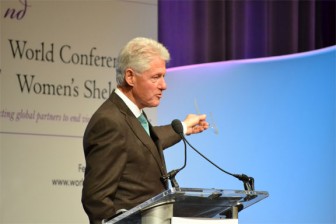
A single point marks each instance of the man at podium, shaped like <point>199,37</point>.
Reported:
<point>123,151</point>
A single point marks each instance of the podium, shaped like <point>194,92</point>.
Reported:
<point>194,203</point>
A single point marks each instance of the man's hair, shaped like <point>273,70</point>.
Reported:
<point>137,55</point>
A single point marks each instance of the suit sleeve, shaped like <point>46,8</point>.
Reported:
<point>106,156</point>
<point>167,135</point>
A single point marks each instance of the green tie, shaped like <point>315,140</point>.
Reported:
<point>144,122</point>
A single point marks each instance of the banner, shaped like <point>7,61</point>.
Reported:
<point>57,67</point>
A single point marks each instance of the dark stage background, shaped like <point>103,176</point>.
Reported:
<point>209,31</point>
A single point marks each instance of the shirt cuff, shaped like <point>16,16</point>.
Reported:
<point>185,128</point>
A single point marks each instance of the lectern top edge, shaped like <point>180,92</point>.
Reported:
<point>194,202</point>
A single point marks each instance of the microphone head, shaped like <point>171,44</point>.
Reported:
<point>177,126</point>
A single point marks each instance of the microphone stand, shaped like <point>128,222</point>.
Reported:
<point>247,181</point>
<point>178,128</point>
<point>171,175</point>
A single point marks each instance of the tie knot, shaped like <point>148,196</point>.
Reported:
<point>142,118</point>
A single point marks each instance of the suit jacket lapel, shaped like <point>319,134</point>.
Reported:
<point>153,145</point>
<point>158,144</point>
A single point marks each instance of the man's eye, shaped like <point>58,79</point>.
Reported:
<point>155,78</point>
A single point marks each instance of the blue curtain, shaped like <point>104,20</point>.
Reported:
<point>201,31</point>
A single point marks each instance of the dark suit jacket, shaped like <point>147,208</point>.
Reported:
<point>123,163</point>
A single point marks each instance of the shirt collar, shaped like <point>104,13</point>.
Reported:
<point>134,108</point>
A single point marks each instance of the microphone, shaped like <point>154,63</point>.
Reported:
<point>247,181</point>
<point>178,128</point>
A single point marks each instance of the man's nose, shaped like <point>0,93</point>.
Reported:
<point>163,84</point>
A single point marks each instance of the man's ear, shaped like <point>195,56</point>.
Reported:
<point>129,77</point>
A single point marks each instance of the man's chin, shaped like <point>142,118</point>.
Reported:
<point>154,104</point>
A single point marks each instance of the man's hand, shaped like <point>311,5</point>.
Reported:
<point>195,123</point>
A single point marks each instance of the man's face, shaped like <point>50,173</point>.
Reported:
<point>149,85</point>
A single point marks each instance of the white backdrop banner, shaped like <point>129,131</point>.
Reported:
<point>57,67</point>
